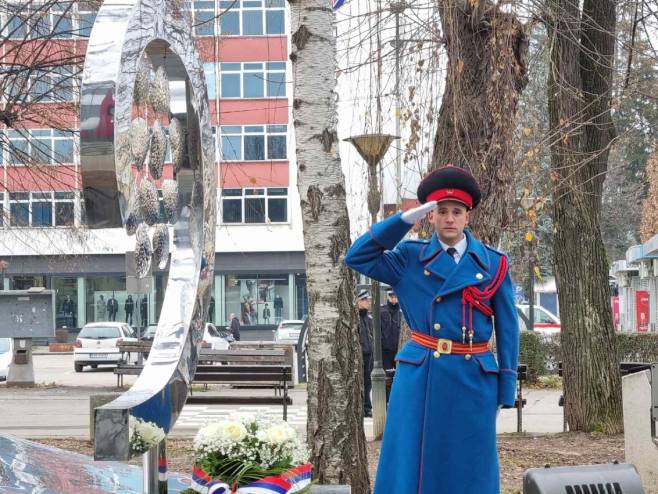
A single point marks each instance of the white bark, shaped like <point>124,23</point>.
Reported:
<point>335,421</point>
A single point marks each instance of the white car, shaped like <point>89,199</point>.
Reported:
<point>545,322</point>
<point>288,331</point>
<point>215,339</point>
<point>97,344</point>
<point>5,357</point>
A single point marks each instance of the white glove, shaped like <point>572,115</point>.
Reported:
<point>415,214</point>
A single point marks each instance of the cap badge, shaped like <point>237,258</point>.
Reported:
<point>450,192</point>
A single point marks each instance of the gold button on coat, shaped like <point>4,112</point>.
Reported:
<point>437,354</point>
<point>467,356</point>
<point>438,299</point>
<point>437,326</point>
<point>479,276</point>
<point>426,272</point>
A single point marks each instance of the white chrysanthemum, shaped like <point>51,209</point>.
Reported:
<point>161,245</point>
<point>139,141</point>
<point>177,143</point>
<point>170,199</point>
<point>143,251</point>
<point>157,151</point>
<point>151,434</point>
<point>148,201</point>
<point>143,80</point>
<point>159,91</point>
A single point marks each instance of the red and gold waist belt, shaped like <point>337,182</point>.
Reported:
<point>443,346</point>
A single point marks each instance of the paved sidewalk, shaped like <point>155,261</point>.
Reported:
<point>64,412</point>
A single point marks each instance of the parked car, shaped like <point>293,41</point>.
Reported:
<point>545,322</point>
<point>288,331</point>
<point>5,357</point>
<point>97,344</point>
<point>216,339</point>
<point>149,332</point>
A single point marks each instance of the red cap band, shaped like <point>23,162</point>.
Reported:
<point>451,195</point>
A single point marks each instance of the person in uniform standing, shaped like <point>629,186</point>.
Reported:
<point>390,323</point>
<point>440,434</point>
<point>112,308</point>
<point>365,333</point>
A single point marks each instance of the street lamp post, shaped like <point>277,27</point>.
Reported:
<point>372,148</point>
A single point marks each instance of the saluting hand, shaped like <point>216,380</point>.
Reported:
<point>415,214</point>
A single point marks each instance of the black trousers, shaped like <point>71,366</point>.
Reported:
<point>367,382</point>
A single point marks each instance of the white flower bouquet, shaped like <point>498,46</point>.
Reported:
<point>143,435</point>
<point>250,455</point>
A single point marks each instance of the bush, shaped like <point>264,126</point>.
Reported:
<point>542,353</point>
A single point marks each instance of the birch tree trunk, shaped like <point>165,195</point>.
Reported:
<point>486,74</point>
<point>579,94</point>
<point>335,410</point>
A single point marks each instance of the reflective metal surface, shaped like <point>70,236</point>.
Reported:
<point>125,33</point>
<point>28,467</point>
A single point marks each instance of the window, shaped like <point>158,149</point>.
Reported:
<point>251,17</point>
<point>49,84</point>
<point>204,18</point>
<point>253,80</point>
<point>253,142</point>
<point>209,71</point>
<point>257,298</point>
<point>87,16</point>
<point>38,21</point>
<point>255,206</point>
<point>44,146</point>
<point>41,209</point>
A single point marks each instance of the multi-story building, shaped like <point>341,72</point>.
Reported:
<point>259,248</point>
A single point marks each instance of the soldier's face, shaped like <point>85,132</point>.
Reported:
<point>449,219</point>
<point>364,303</point>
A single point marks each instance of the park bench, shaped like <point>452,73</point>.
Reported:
<point>260,365</point>
<point>625,368</point>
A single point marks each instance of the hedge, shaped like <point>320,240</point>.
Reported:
<point>542,353</point>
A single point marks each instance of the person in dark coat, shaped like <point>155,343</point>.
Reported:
<point>391,316</point>
<point>112,308</point>
<point>234,328</point>
<point>365,332</point>
<point>129,307</point>
<point>143,310</point>
<point>455,292</point>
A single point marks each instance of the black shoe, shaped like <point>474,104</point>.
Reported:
<point>367,414</point>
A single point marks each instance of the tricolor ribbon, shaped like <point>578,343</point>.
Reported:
<point>162,470</point>
<point>289,482</point>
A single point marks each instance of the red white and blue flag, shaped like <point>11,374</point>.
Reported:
<point>290,482</point>
<point>338,4</point>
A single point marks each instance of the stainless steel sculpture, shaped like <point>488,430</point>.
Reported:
<point>150,42</point>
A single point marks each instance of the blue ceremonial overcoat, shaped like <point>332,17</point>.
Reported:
<point>440,435</point>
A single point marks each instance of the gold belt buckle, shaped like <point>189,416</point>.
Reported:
<point>443,347</point>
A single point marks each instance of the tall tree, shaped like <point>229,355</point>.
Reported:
<point>486,74</point>
<point>335,412</point>
<point>579,97</point>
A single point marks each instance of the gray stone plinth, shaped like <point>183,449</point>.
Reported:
<point>640,449</point>
<point>97,401</point>
<point>331,489</point>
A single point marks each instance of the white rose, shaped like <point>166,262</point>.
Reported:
<point>280,433</point>
<point>210,432</point>
<point>234,431</point>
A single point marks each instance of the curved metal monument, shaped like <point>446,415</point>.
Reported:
<point>142,78</point>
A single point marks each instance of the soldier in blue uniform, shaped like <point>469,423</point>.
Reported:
<point>454,291</point>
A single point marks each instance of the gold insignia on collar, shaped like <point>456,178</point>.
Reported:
<point>479,276</point>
